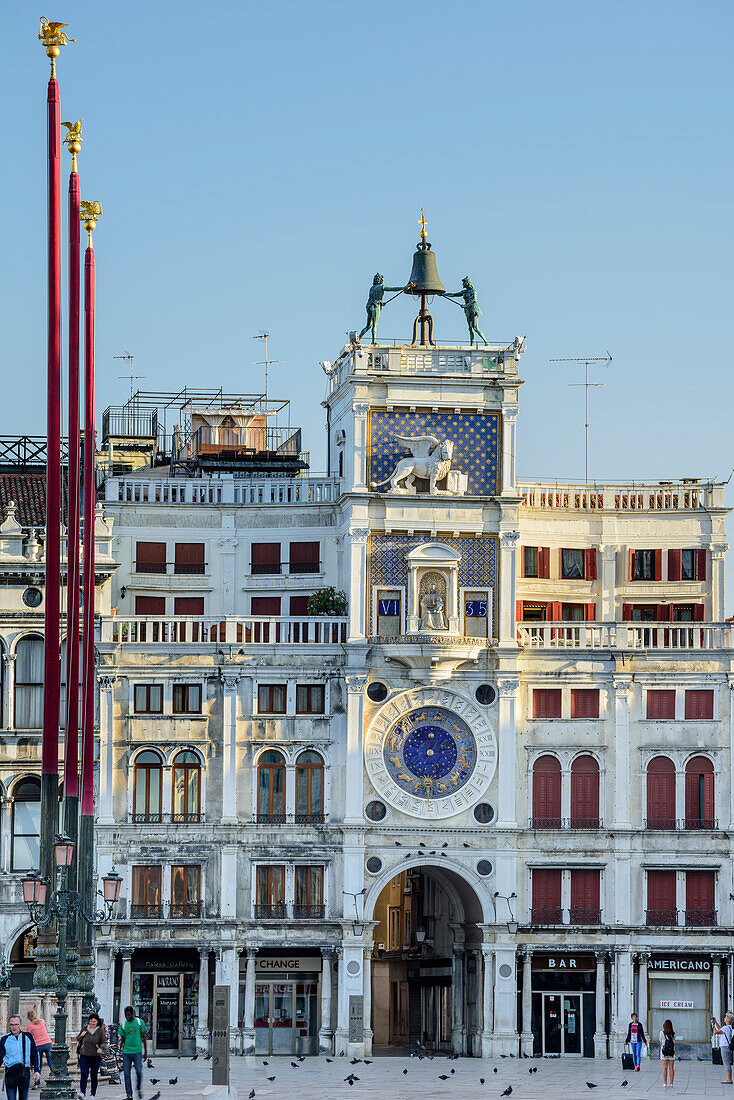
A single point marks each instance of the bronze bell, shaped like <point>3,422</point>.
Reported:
<point>424,275</point>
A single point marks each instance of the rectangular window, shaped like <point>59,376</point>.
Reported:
<point>646,565</point>
<point>271,698</point>
<point>585,897</point>
<point>26,825</point>
<point>660,705</point>
<point>688,565</point>
<point>681,613</point>
<point>309,898</point>
<point>185,891</point>
<point>189,557</point>
<point>149,698</point>
<point>270,892</point>
<point>661,901</point>
<point>150,605</point>
<point>572,564</point>
<point>546,896</point>
<point>530,561</point>
<point>310,698</point>
<point>150,557</point>
<point>533,612</point>
<point>700,898</point>
<point>476,615</point>
<point>573,612</point>
<point>584,702</point>
<point>146,892</point>
<point>700,703</point>
<point>393,923</point>
<point>547,703</point>
<point>298,605</point>
<point>187,698</point>
<point>388,612</point>
<point>265,557</point>
<point>188,605</point>
<point>266,606</point>
<point>304,557</point>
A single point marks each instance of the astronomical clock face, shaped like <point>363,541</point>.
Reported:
<point>430,753</point>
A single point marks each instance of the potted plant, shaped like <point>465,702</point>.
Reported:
<point>328,601</point>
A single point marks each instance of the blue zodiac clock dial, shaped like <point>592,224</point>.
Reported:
<point>430,752</point>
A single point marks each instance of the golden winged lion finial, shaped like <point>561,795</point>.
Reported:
<point>89,212</point>
<point>73,139</point>
<point>53,37</point>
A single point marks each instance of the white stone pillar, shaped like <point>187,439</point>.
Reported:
<point>526,1037</point>
<point>458,1027</point>
<point>730,681</point>
<point>105,973</point>
<point>367,1003</point>
<point>359,456</point>
<point>202,1023</point>
<point>356,583</point>
<point>622,779</point>
<point>354,770</point>
<point>717,610</point>
<point>231,977</point>
<point>507,585</point>
<point>228,885</point>
<point>248,1029</point>
<point>106,751</point>
<point>126,982</point>
<point>642,1006</point>
<point>506,810</point>
<point>230,684</point>
<point>608,611</point>
<point>621,998</point>
<point>350,984</point>
<point>326,1031</point>
<point>487,999</point>
<point>509,448</point>
<point>505,1039</point>
<point>227,556</point>
<point>6,810</point>
<point>600,1037</point>
<point>9,660</point>
<point>716,988</point>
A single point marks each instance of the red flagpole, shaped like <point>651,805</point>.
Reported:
<point>87,800</point>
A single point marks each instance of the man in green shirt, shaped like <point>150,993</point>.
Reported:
<point>134,1041</point>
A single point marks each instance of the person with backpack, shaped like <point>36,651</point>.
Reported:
<point>635,1039</point>
<point>667,1052</point>
<point>18,1052</point>
<point>134,1043</point>
<point>725,1034</point>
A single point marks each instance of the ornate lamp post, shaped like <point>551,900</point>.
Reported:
<point>57,909</point>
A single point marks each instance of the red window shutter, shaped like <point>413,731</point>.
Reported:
<point>698,611</point>
<point>304,553</point>
<point>658,565</point>
<point>661,792</point>
<point>547,789</point>
<point>560,563</point>
<point>662,613</point>
<point>699,704</point>
<point>590,563</point>
<point>661,704</point>
<point>265,605</point>
<point>544,562</point>
<point>632,565</point>
<point>585,891</point>
<point>693,801</point>
<point>626,612</point>
<point>700,565</point>
<point>521,570</point>
<point>584,791</point>
<point>189,557</point>
<point>546,889</point>
<point>150,557</point>
<point>661,891</point>
<point>590,612</point>
<point>266,553</point>
<point>547,703</point>
<point>150,605</point>
<point>188,605</point>
<point>299,605</point>
<point>555,612</point>
<point>584,702</point>
<point>700,891</point>
<point>518,611</point>
<point>675,565</point>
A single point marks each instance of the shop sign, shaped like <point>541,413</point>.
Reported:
<point>681,964</point>
<point>677,1004</point>
<point>563,963</point>
<point>279,964</point>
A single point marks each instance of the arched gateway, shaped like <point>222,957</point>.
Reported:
<point>427,965</point>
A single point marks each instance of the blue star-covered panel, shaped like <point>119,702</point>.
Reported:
<point>388,566</point>
<point>475,437</point>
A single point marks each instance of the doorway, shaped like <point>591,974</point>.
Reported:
<point>286,1017</point>
<point>562,1023</point>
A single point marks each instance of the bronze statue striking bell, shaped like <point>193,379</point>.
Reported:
<point>424,276</point>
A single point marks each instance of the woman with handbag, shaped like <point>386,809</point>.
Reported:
<point>724,1034</point>
<point>635,1039</point>
<point>667,1052</point>
<point>89,1045</point>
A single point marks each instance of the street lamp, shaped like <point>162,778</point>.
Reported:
<point>512,924</point>
<point>420,934</point>
<point>57,909</point>
<point>357,923</point>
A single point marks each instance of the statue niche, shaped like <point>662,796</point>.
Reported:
<point>432,600</point>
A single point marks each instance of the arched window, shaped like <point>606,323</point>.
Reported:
<point>546,793</point>
<point>26,824</point>
<point>147,787</point>
<point>271,788</point>
<point>584,793</point>
<point>309,788</point>
<point>700,794</point>
<point>187,787</point>
<point>661,793</point>
<point>29,683</point>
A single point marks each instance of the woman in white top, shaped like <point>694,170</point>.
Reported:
<point>725,1033</point>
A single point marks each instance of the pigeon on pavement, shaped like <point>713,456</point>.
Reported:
<point>150,1064</point>
<point>251,1095</point>
<point>271,1078</point>
<point>590,1085</point>
<point>329,1059</point>
<point>624,1083</point>
<point>173,1080</point>
<point>154,1080</point>
<point>405,1072</point>
<point>443,1076</point>
<point>507,1091</point>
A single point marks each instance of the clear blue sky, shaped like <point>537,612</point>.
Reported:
<point>258,163</point>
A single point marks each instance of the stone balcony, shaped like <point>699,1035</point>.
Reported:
<point>225,490</point>
<point>664,496</point>
<point>233,629</point>
<point>626,636</point>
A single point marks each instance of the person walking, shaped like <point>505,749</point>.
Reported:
<point>134,1041</point>
<point>635,1038</point>
<point>36,1027</point>
<point>89,1044</point>
<point>18,1052</point>
<point>667,1052</point>
<point>725,1032</point>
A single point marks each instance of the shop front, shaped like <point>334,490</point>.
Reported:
<point>287,997</point>
<point>680,990</point>
<point>563,1004</point>
<point>165,994</point>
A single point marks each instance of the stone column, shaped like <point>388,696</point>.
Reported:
<point>505,1038</point>
<point>608,612</point>
<point>458,1027</point>
<point>600,1036</point>
<point>507,765</point>
<point>509,448</point>
<point>356,574</point>
<point>360,448</point>
<point>621,962</point>
<point>716,988</point>
<point>230,683</point>
<point>106,751</point>
<point>6,810</point>
<point>227,555</point>
<point>354,769</point>
<point>105,967</point>
<point>526,1037</point>
<point>326,1031</point>
<point>642,1007</point>
<point>248,1030</point>
<point>231,977</point>
<point>367,1003</point>
<point>507,563</point>
<point>718,613</point>
<point>9,660</point>
<point>730,681</point>
<point>126,982</point>
<point>487,999</point>
<point>474,1031</point>
<point>202,1023</point>
<point>622,778</point>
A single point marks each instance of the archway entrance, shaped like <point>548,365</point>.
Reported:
<point>427,963</point>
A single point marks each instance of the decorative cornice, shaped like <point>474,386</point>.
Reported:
<point>106,682</point>
<point>507,688</point>
<point>356,684</point>
<point>359,535</point>
<point>509,538</point>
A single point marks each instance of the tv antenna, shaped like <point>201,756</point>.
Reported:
<point>265,363</point>
<point>133,377</point>
<point>587,386</point>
